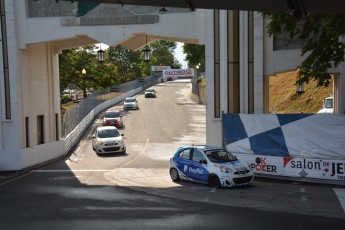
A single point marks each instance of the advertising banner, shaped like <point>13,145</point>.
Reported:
<point>159,68</point>
<point>296,167</point>
<point>178,73</point>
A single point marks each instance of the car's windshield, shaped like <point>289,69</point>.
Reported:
<point>219,155</point>
<point>130,100</point>
<point>112,114</point>
<point>150,90</point>
<point>107,133</point>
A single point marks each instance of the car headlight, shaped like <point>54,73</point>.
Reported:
<point>225,169</point>
<point>100,142</point>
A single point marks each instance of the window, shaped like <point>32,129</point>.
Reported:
<point>113,114</point>
<point>185,154</point>
<point>40,129</point>
<point>57,135</point>
<point>27,133</point>
<point>197,156</point>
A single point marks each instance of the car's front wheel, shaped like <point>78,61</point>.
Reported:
<point>174,174</point>
<point>214,181</point>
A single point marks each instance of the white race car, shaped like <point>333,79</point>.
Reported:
<point>210,165</point>
<point>107,139</point>
<point>130,103</point>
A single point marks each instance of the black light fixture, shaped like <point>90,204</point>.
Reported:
<point>299,87</point>
<point>163,10</point>
<point>190,5</point>
<point>147,52</point>
<point>100,55</point>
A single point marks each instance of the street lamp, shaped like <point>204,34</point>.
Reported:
<point>100,55</point>
<point>147,52</point>
<point>197,67</point>
<point>299,87</point>
<point>83,72</point>
<point>198,80</point>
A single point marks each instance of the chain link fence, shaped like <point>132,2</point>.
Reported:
<point>74,116</point>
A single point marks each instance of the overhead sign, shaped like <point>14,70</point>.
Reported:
<point>179,73</point>
<point>159,68</point>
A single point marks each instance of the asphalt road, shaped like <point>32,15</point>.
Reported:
<point>134,190</point>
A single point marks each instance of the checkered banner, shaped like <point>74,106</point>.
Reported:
<point>317,136</point>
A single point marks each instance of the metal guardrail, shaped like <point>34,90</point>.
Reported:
<point>75,115</point>
<point>198,90</point>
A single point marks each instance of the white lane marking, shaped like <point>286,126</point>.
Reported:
<point>131,208</point>
<point>303,198</point>
<point>341,196</point>
<point>74,170</point>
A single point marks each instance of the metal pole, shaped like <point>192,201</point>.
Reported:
<point>85,94</point>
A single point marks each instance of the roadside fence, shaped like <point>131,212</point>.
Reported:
<point>75,115</point>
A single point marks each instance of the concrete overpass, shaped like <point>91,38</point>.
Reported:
<point>239,56</point>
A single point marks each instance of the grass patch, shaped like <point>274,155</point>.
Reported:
<point>283,98</point>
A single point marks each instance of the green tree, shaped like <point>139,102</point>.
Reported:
<point>73,61</point>
<point>126,61</point>
<point>162,54</point>
<point>71,64</point>
<point>195,54</point>
<point>321,35</point>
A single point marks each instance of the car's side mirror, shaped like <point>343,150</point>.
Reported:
<point>122,134</point>
<point>203,161</point>
<point>94,136</point>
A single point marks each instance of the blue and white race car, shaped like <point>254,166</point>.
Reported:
<point>210,165</point>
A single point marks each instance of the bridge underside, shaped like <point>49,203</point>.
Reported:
<point>294,6</point>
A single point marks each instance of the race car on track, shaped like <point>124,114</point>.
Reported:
<point>113,118</point>
<point>210,165</point>
<point>150,93</point>
<point>107,139</point>
<point>130,103</point>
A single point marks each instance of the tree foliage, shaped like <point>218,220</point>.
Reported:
<point>121,65</point>
<point>126,61</point>
<point>98,76</point>
<point>161,55</point>
<point>322,38</point>
<point>195,54</point>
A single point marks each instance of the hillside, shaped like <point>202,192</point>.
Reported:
<point>284,99</point>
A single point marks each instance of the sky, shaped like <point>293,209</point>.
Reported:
<point>179,55</point>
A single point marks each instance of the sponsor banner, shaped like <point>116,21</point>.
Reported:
<point>307,136</point>
<point>179,73</point>
<point>296,167</point>
<point>159,68</point>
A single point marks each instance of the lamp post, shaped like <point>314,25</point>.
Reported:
<point>83,72</point>
<point>147,52</point>
<point>100,55</point>
<point>197,67</point>
<point>299,87</point>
